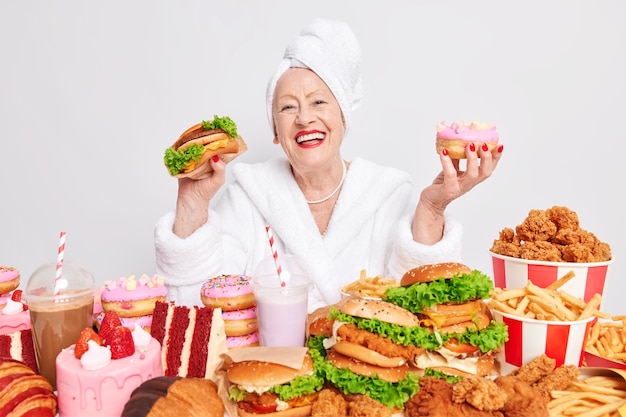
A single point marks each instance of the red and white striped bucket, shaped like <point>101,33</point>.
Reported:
<point>528,338</point>
<point>589,279</point>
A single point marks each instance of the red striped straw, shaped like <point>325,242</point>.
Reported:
<point>57,288</point>
<point>279,269</point>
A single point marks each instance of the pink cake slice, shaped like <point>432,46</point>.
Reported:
<point>103,392</point>
<point>10,323</point>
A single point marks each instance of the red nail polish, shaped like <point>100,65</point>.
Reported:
<point>215,158</point>
<point>472,147</point>
<point>485,147</point>
<point>444,152</point>
<point>500,148</point>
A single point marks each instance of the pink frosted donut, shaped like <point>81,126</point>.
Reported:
<point>9,279</point>
<point>228,292</point>
<point>130,297</point>
<point>240,322</point>
<point>248,340</point>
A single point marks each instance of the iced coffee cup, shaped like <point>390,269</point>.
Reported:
<point>59,311</point>
<point>281,310</point>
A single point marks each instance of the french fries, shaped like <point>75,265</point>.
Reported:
<point>608,339</point>
<point>373,287</point>
<point>550,303</point>
<point>596,396</point>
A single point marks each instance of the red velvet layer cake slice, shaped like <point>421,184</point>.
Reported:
<point>19,346</point>
<point>192,339</point>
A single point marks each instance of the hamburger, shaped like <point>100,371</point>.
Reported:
<point>448,300</point>
<point>369,349</point>
<point>189,156</point>
<point>268,389</point>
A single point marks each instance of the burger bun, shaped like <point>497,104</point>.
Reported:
<point>433,272</point>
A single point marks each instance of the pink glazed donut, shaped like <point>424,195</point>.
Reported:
<point>228,292</point>
<point>248,340</point>
<point>9,279</point>
<point>240,322</point>
<point>130,297</point>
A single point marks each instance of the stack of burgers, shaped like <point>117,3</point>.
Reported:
<point>435,322</point>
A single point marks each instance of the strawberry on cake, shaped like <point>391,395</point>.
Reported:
<point>97,374</point>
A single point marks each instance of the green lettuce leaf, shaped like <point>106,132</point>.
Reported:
<point>225,123</point>
<point>461,289</point>
<point>392,395</point>
<point>176,161</point>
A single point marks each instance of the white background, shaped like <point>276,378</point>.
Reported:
<point>91,94</point>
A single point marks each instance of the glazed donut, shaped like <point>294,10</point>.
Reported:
<point>247,340</point>
<point>9,279</point>
<point>130,297</point>
<point>228,292</point>
<point>240,322</point>
<point>456,136</point>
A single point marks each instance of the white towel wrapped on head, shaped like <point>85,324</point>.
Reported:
<point>330,49</point>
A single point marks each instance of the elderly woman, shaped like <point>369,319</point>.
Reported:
<point>337,217</point>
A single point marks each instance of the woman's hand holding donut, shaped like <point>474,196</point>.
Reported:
<point>450,184</point>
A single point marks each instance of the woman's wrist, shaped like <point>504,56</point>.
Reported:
<point>189,217</point>
<point>428,223</point>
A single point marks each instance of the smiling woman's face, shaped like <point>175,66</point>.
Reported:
<point>308,120</point>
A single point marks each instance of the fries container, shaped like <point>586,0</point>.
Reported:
<point>596,361</point>
<point>589,278</point>
<point>528,338</point>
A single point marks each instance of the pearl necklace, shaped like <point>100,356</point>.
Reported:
<point>343,177</point>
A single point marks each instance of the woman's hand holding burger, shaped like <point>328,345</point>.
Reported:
<point>198,159</point>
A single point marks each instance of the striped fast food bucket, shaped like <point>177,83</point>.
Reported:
<point>589,278</point>
<point>564,341</point>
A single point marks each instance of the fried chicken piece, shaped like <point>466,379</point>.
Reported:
<point>559,379</point>
<point>536,227</point>
<point>506,244</point>
<point>540,251</point>
<point>329,404</point>
<point>364,406</point>
<point>482,393</point>
<point>434,399</point>
<point>351,333</point>
<point>536,369</point>
<point>522,400</point>
<point>563,217</point>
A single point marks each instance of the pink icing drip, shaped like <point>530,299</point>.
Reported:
<point>116,290</point>
<point>246,313</point>
<point>475,131</point>
<point>7,273</point>
<point>226,286</point>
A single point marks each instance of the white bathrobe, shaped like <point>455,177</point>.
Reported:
<point>370,229</point>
